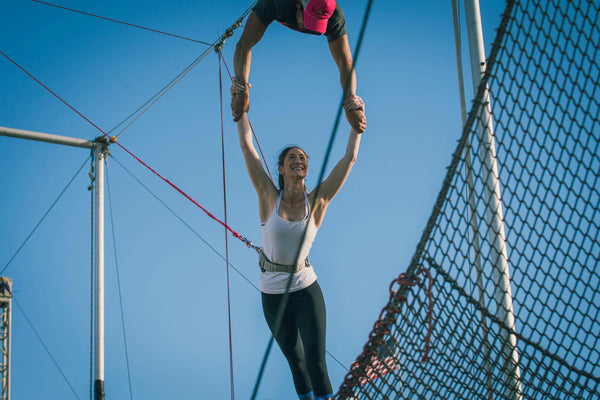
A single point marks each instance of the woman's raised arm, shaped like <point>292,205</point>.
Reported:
<point>336,179</point>
<point>265,189</point>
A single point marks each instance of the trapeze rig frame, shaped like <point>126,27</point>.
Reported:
<point>5,335</point>
<point>99,148</point>
<point>228,33</point>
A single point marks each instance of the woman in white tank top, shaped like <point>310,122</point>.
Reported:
<point>290,218</point>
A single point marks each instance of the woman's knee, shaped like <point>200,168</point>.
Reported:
<point>317,367</point>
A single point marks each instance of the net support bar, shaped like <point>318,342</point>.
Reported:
<point>45,137</point>
<point>472,205</point>
<point>501,275</point>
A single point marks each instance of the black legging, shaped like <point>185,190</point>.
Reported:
<point>301,337</point>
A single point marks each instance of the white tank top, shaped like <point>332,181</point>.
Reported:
<point>281,239</point>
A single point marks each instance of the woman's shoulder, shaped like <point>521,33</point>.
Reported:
<point>316,197</point>
<point>267,203</point>
<point>318,206</point>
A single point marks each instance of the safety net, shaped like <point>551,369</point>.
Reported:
<point>501,299</point>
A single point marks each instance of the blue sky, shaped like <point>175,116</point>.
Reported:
<point>173,285</point>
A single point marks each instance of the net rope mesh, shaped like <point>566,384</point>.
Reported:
<point>508,309</point>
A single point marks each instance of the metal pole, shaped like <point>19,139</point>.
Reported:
<point>473,207</point>
<point>501,276</point>
<point>45,137</point>
<point>5,335</point>
<point>100,149</point>
<point>99,154</point>
<point>8,343</point>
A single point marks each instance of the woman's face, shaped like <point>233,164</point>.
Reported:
<point>295,164</point>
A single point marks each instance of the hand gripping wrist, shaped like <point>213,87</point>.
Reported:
<point>353,102</point>
<point>237,87</point>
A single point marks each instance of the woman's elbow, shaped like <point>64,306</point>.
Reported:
<point>352,159</point>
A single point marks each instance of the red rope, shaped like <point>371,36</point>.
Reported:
<point>121,22</point>
<point>49,90</point>
<point>234,233</point>
<point>367,365</point>
<point>113,140</point>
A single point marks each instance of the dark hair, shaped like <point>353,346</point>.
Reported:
<point>282,158</point>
